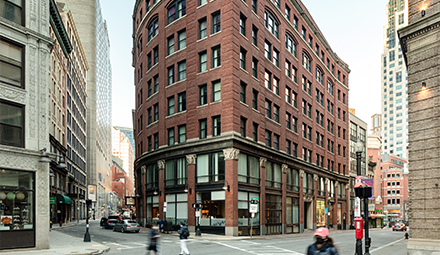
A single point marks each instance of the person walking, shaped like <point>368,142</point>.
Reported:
<point>153,236</point>
<point>183,234</point>
<point>323,244</point>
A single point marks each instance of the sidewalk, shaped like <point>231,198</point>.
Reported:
<point>61,244</point>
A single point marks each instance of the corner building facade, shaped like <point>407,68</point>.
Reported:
<point>237,101</point>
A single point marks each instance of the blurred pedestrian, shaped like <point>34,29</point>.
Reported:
<point>153,236</point>
<point>183,234</point>
<point>323,244</point>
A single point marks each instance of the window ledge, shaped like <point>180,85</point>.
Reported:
<point>216,33</point>
<point>174,21</point>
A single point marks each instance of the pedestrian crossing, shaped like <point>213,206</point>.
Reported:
<point>257,248</point>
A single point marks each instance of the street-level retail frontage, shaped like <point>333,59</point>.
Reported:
<point>293,194</point>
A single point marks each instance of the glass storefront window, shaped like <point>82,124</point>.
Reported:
<point>16,200</point>
<point>213,212</point>
<point>320,213</point>
<point>244,216</point>
<point>177,208</point>
<point>292,215</point>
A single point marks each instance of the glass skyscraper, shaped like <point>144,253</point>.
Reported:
<point>394,103</point>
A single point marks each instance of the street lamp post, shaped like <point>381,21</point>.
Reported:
<point>358,148</point>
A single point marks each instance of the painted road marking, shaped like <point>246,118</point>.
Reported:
<point>387,245</point>
<point>271,250</point>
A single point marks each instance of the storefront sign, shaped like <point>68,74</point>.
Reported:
<point>92,193</point>
<point>130,201</point>
<point>52,200</point>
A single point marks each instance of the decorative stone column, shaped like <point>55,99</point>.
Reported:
<point>191,160</point>
<point>161,188</point>
<point>315,194</point>
<point>301,202</point>
<point>231,195</point>
<point>284,168</point>
<point>327,202</point>
<point>335,207</point>
<point>263,196</point>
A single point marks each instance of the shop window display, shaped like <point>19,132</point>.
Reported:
<point>16,200</point>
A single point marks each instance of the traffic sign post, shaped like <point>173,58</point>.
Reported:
<point>253,209</point>
<point>198,207</point>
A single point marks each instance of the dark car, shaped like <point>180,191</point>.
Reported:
<point>110,223</point>
<point>398,226</point>
<point>127,226</point>
<point>103,221</point>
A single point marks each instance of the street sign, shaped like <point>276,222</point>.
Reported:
<point>52,200</point>
<point>255,198</point>
<point>357,207</point>
<point>253,208</point>
<point>197,213</point>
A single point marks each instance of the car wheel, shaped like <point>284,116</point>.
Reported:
<point>122,230</point>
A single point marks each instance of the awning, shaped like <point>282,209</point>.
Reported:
<point>64,199</point>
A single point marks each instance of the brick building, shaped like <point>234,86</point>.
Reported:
<point>243,95</point>
<point>122,184</point>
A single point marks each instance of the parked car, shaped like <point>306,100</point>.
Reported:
<point>398,226</point>
<point>103,221</point>
<point>127,226</point>
<point>110,223</point>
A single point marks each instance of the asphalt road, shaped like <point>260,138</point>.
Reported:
<point>384,242</point>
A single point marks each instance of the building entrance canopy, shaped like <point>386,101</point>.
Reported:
<point>64,199</point>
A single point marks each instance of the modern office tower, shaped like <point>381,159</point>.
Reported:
<point>75,68</point>
<point>128,132</point>
<point>92,30</point>
<point>420,46</point>
<point>239,101</point>
<point>394,100</point>
<point>376,124</point>
<point>358,130</point>
<point>25,47</point>
<point>121,148</point>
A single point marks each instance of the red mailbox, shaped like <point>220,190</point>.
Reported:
<point>359,226</point>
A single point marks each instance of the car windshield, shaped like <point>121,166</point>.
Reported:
<point>131,221</point>
<point>113,217</point>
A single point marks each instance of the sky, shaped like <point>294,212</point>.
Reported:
<point>353,29</point>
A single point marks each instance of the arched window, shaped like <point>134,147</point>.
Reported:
<point>153,28</point>
<point>290,44</point>
<point>306,62</point>
<point>271,23</point>
<point>176,10</point>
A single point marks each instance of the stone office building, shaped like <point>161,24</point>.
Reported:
<point>237,101</point>
<point>420,46</point>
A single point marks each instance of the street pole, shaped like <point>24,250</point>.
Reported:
<point>77,205</point>
<point>367,237</point>
<point>87,234</point>
<point>357,212</point>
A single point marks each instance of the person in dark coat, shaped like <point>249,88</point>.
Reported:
<point>323,244</point>
<point>183,234</point>
<point>153,236</point>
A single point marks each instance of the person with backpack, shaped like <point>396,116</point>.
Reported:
<point>323,244</point>
<point>183,234</point>
<point>153,236</point>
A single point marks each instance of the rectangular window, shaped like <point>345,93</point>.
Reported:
<point>156,141</point>
<point>216,126</point>
<point>203,128</point>
<point>288,121</point>
<point>255,67</point>
<point>11,55</point>
<point>156,112</point>
<point>242,92</point>
<point>181,102</point>
<point>254,6</point>
<point>267,50</point>
<point>155,83</point>
<point>275,57</point>
<point>156,55</point>
<point>276,113</point>
<point>182,40</point>
<point>170,75</point>
<point>254,35</point>
<point>215,22</point>
<point>171,136</point>
<point>149,116</point>
<point>203,28</point>
<point>255,99</point>
<point>268,136</point>
<point>276,141</point>
<point>202,2</point>
<point>12,10</point>
<point>149,61</point>
<point>276,85</point>
<point>294,124</point>
<point>203,61</point>
<point>255,132</point>
<point>182,134</point>
<point>242,24</point>
<point>243,58</point>
<point>171,105</point>
<point>287,12</point>
<point>216,57</point>
<point>216,91</point>
<point>11,124</point>
<point>268,105</point>
<point>182,70</point>
<point>243,126</point>
<point>170,45</point>
<point>203,94</point>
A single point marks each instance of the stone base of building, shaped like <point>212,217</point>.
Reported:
<point>423,247</point>
<point>231,231</point>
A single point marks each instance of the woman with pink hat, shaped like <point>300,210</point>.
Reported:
<point>323,244</point>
